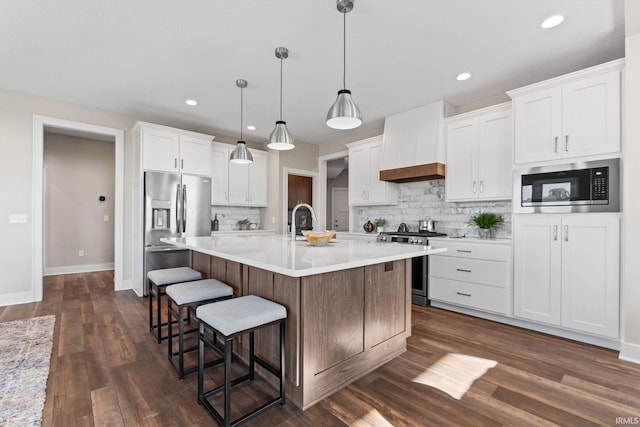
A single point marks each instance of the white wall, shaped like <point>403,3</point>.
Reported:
<point>16,138</point>
<point>77,172</point>
<point>630,292</point>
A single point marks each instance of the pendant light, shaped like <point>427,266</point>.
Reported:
<point>280,138</point>
<point>344,113</point>
<point>241,155</point>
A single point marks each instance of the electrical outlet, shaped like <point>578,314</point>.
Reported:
<point>273,220</point>
<point>81,252</point>
<point>106,218</point>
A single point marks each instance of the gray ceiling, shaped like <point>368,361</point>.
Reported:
<point>144,58</point>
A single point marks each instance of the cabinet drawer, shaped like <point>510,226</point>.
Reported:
<point>495,252</point>
<point>492,273</point>
<point>473,295</point>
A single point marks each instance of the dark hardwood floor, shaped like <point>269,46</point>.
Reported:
<point>107,370</point>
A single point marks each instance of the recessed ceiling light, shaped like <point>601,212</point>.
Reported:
<point>251,127</point>
<point>191,102</point>
<point>463,76</point>
<point>552,21</point>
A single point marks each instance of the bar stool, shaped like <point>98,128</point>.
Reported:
<point>190,295</point>
<point>158,281</point>
<point>228,319</point>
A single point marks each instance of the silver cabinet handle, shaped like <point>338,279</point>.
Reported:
<point>463,250</point>
<point>556,144</point>
<point>181,163</point>
<point>555,232</point>
<point>474,187</point>
<point>566,233</point>
<point>463,270</point>
<point>175,162</point>
<point>566,142</point>
<point>481,186</point>
<point>463,294</point>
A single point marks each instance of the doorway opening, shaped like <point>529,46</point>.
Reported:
<point>42,124</point>
<point>299,186</point>
<point>333,173</point>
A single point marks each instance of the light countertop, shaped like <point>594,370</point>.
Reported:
<point>472,239</point>
<point>277,253</point>
<point>241,232</point>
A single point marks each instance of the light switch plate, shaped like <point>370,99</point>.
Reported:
<point>17,218</point>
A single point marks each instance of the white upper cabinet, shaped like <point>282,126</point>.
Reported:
<point>479,147</point>
<point>365,187</point>
<point>415,137</point>
<point>172,150</point>
<point>248,183</point>
<point>570,116</point>
<point>220,173</point>
<point>567,271</point>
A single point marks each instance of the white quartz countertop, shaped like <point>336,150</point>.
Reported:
<point>279,254</point>
<point>472,239</point>
<point>241,232</point>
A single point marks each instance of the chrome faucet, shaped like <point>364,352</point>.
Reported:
<point>293,218</point>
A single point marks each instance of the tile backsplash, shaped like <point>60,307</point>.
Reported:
<point>418,200</point>
<point>228,216</point>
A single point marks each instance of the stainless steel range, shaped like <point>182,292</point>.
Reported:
<point>419,265</point>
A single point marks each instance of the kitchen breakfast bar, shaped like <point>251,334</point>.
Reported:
<point>348,303</point>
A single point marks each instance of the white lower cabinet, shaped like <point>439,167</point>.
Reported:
<point>472,274</point>
<point>567,270</point>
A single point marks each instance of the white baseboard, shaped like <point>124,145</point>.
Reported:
<point>630,352</point>
<point>71,269</point>
<point>611,343</point>
<point>126,284</point>
<point>16,298</point>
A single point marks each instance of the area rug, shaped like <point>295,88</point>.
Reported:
<point>25,354</point>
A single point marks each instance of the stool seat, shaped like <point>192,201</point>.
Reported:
<point>168,276</point>
<point>239,314</point>
<point>198,290</point>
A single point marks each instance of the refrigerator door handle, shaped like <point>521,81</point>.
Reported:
<point>178,218</point>
<point>184,208</point>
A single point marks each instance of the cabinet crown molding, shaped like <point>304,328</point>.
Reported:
<point>615,65</point>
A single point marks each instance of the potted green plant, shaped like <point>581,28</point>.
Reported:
<point>242,224</point>
<point>379,223</point>
<point>486,221</point>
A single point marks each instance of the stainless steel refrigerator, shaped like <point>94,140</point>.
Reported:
<point>174,206</point>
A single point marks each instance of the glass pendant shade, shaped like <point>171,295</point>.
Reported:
<point>344,113</point>
<point>241,155</point>
<point>280,138</point>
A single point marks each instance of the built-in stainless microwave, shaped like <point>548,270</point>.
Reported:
<point>578,187</point>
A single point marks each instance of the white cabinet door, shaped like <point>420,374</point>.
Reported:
<point>590,273</point>
<point>537,267</point>
<point>358,175</point>
<point>195,156</point>
<point>220,174</point>
<point>238,184</point>
<point>537,126</point>
<point>160,150</point>
<point>365,187</point>
<point>462,164</point>
<point>258,179</point>
<point>377,190</point>
<point>494,155</point>
<point>479,155</point>
<point>591,116</point>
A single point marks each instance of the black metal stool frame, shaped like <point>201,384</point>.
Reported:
<point>158,291</point>
<point>227,355</point>
<point>178,314</point>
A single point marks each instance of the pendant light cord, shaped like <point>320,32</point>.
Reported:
<point>280,88</point>
<point>344,50</point>
<point>241,110</point>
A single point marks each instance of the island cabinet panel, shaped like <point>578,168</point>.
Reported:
<point>201,262</point>
<point>385,302</point>
<point>284,290</point>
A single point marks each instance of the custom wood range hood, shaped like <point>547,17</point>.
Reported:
<point>414,146</point>
<point>424,172</point>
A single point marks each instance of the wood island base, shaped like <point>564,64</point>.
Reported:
<point>340,325</point>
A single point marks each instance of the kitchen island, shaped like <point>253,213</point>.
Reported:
<point>348,303</point>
